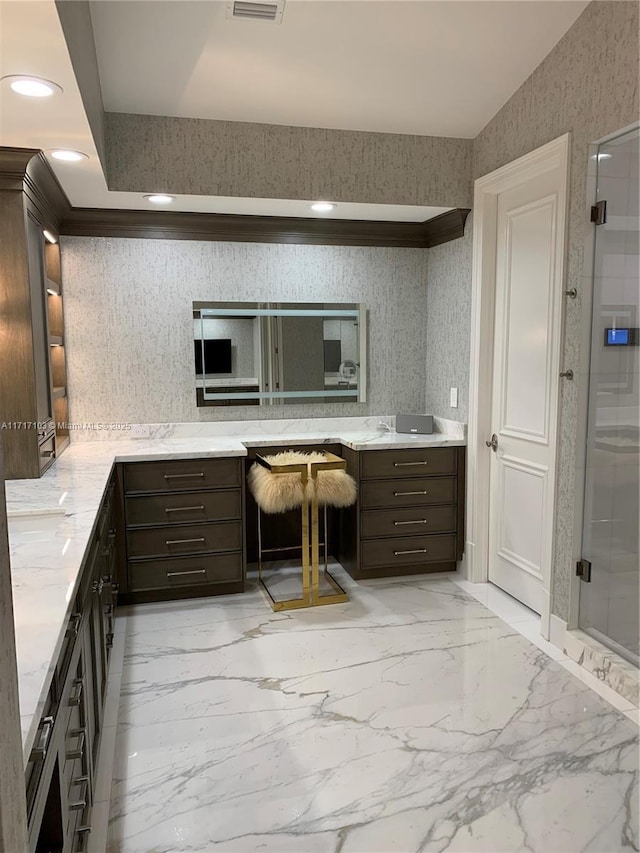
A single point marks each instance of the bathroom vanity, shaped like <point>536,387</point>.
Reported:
<point>409,516</point>
<point>167,519</point>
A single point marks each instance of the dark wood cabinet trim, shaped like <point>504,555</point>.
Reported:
<point>167,225</point>
<point>448,226</point>
<point>27,170</point>
<point>461,505</point>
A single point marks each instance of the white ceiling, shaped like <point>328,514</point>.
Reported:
<point>430,67</point>
<point>181,74</point>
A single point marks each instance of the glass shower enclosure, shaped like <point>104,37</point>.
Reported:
<point>610,602</point>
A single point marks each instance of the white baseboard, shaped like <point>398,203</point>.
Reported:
<point>557,631</point>
<point>470,564</point>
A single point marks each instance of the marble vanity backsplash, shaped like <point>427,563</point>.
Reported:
<point>284,426</point>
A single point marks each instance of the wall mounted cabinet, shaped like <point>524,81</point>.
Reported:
<point>33,402</point>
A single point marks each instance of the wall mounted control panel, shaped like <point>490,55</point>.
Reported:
<point>626,337</point>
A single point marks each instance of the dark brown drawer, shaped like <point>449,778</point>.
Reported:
<point>183,506</point>
<point>186,539</point>
<point>181,475</point>
<point>407,550</point>
<point>378,464</point>
<point>185,571</point>
<point>415,521</point>
<point>417,492</point>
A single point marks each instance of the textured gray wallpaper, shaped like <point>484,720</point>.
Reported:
<point>129,328</point>
<point>587,85</point>
<point>225,158</point>
<point>448,326</point>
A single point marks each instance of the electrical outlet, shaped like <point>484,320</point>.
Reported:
<point>139,431</point>
<point>453,398</point>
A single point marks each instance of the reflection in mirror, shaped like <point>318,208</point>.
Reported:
<point>267,353</point>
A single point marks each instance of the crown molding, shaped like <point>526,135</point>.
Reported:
<point>167,225</point>
<point>27,170</point>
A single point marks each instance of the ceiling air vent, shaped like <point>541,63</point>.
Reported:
<point>271,12</point>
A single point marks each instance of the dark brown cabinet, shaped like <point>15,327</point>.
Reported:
<point>409,516</point>
<point>184,523</point>
<point>33,401</point>
<point>60,775</point>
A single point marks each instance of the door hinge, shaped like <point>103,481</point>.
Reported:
<point>583,570</point>
<point>599,213</point>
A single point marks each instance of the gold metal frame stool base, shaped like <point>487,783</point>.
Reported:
<point>311,596</point>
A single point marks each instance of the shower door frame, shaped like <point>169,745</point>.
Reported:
<point>557,630</point>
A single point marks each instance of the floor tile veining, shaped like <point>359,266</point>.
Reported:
<point>409,719</point>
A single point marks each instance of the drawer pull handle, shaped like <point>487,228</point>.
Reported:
<point>81,831</point>
<point>75,698</point>
<point>193,572</point>
<point>406,494</point>
<point>39,752</point>
<point>185,508</point>
<point>183,541</point>
<point>74,625</point>
<point>412,551</point>
<point>182,476</point>
<point>81,734</point>
<point>409,464</point>
<point>80,804</point>
<point>401,523</point>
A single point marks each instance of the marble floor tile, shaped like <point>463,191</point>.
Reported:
<point>608,693</point>
<point>508,608</point>
<point>499,602</point>
<point>531,630</point>
<point>408,719</point>
<point>479,591</point>
<point>634,715</point>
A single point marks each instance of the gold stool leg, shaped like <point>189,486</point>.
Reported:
<point>259,545</point>
<point>306,595</point>
<point>338,595</point>
<point>315,541</point>
<point>326,538</point>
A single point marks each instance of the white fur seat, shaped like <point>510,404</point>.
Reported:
<point>276,493</point>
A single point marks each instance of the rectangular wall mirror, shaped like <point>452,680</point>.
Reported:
<point>268,353</point>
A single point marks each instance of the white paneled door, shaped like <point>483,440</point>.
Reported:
<point>526,352</point>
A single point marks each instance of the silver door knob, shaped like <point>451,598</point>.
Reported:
<point>493,444</point>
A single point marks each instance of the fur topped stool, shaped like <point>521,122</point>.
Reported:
<point>293,479</point>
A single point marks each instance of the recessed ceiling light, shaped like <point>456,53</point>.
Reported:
<point>32,87</point>
<point>160,198</point>
<point>323,206</point>
<point>68,155</point>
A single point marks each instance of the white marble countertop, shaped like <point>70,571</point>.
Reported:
<point>50,522</point>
